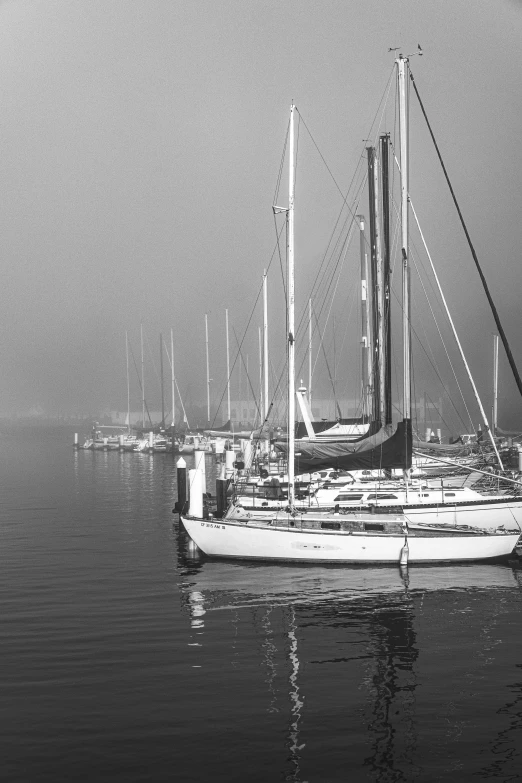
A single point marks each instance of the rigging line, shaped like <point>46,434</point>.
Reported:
<point>421,320</point>
<point>463,399</point>
<point>278,247</point>
<point>176,384</point>
<point>281,165</point>
<point>324,265</point>
<point>354,301</point>
<point>345,202</point>
<point>475,390</point>
<point>247,374</point>
<point>386,90</point>
<point>479,269</point>
<point>321,345</point>
<point>185,418</point>
<point>340,262</point>
<point>433,405</point>
<point>448,315</point>
<point>433,366</point>
<point>430,282</point>
<point>141,387</point>
<point>248,323</point>
<point>152,358</point>
<point>353,298</point>
<point>320,279</point>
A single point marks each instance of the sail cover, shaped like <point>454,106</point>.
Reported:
<point>385,449</point>
<point>322,426</point>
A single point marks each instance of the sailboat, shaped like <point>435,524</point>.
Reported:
<point>380,533</point>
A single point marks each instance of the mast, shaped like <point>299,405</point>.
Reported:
<point>142,381</point>
<point>128,380</point>
<point>291,326</point>
<point>495,385</point>
<point>384,147</point>
<point>162,384</point>
<point>208,376</point>
<point>377,287</point>
<point>240,360</point>
<point>265,345</point>
<point>172,376</point>
<point>366,358</point>
<point>310,353</point>
<point>228,366</point>
<point>261,401</point>
<point>402,65</point>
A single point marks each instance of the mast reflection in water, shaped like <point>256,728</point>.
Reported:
<point>367,673</point>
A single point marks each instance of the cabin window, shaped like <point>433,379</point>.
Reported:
<point>425,495</point>
<point>330,525</point>
<point>449,494</point>
<point>347,496</point>
<point>382,497</point>
<point>373,526</point>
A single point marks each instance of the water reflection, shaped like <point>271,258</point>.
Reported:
<point>366,625</point>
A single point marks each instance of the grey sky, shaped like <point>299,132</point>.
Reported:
<point>140,143</point>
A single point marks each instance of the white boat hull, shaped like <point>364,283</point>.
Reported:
<point>486,516</point>
<point>223,538</point>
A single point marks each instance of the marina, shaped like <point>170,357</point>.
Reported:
<point>261,392</point>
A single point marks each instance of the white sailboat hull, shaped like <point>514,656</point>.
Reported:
<point>222,538</point>
<point>477,512</point>
<point>486,516</point>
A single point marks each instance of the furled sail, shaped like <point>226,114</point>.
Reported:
<point>385,449</point>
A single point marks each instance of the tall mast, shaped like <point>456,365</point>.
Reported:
<point>162,384</point>
<point>366,358</point>
<point>228,367</point>
<point>386,372</point>
<point>402,65</point>
<point>128,379</point>
<point>265,345</point>
<point>208,374</point>
<point>142,380</point>
<point>495,384</point>
<point>310,353</point>
<point>377,286</point>
<point>291,326</point>
<point>261,396</point>
<point>172,376</point>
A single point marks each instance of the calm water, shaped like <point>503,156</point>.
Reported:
<point>124,657</point>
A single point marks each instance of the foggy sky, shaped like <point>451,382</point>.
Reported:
<point>140,143</point>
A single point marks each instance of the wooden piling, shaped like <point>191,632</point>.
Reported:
<point>183,489</point>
